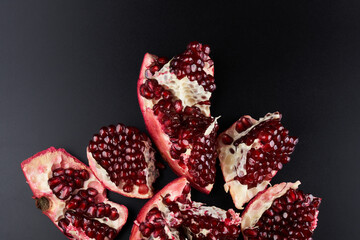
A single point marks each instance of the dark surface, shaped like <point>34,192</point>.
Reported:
<point>69,67</point>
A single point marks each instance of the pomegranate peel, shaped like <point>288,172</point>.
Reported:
<point>44,169</point>
<point>251,152</point>
<point>280,212</point>
<point>171,214</point>
<point>174,98</point>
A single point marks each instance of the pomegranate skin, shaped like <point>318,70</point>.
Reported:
<point>155,129</point>
<point>37,170</point>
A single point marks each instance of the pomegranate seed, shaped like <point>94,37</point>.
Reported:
<point>226,139</point>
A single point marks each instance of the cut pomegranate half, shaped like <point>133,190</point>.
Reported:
<point>171,214</point>
<point>122,158</point>
<point>281,212</point>
<point>69,194</point>
<point>251,152</point>
<point>174,98</point>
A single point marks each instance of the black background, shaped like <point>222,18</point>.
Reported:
<point>69,67</point>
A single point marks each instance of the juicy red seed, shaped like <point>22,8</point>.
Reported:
<point>162,61</point>
<point>54,182</point>
<point>128,188</point>
<point>64,192</point>
<point>226,139</point>
<point>143,189</point>
<point>92,192</point>
<point>58,172</point>
<point>69,171</point>
<point>91,211</point>
<point>114,214</point>
<point>242,124</point>
<point>84,174</point>
<point>63,223</point>
<point>186,189</point>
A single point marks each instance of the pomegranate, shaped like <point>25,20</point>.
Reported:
<point>171,214</point>
<point>251,152</point>
<point>174,98</point>
<point>281,212</point>
<point>70,195</point>
<point>122,158</point>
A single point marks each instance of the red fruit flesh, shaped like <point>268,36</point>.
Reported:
<point>174,98</point>
<point>171,214</point>
<point>70,195</point>
<point>281,212</point>
<point>122,158</point>
<point>251,152</point>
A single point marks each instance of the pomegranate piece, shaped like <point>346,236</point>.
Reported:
<point>281,212</point>
<point>174,98</point>
<point>122,158</point>
<point>171,214</point>
<point>251,152</point>
<point>69,194</point>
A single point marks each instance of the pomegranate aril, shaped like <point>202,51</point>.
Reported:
<point>63,223</point>
<point>113,214</point>
<point>92,192</point>
<point>226,139</point>
<point>58,172</point>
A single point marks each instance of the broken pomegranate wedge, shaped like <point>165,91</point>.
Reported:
<point>70,195</point>
<point>251,152</point>
<point>281,212</point>
<point>122,158</point>
<point>171,214</point>
<point>174,98</point>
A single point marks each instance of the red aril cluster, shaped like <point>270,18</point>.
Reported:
<point>92,227</point>
<point>291,214</point>
<point>85,202</point>
<point>83,209</point>
<point>65,181</point>
<point>127,158</point>
<point>191,64</point>
<point>175,96</point>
